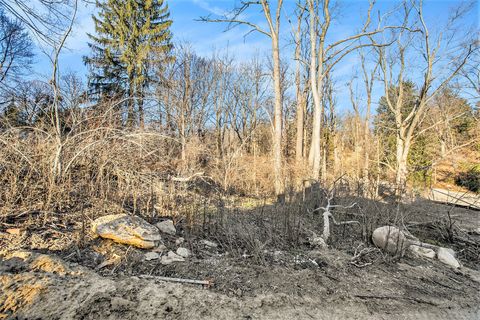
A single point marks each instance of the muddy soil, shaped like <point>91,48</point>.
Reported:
<point>57,270</point>
<point>35,286</point>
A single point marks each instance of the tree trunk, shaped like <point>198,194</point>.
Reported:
<point>366,144</point>
<point>299,95</point>
<point>141,112</point>
<point>324,164</point>
<point>403,148</point>
<point>300,125</point>
<point>277,130</point>
<point>183,140</point>
<point>130,103</point>
<point>316,82</point>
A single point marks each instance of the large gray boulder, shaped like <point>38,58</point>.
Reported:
<point>447,256</point>
<point>126,229</point>
<point>390,239</point>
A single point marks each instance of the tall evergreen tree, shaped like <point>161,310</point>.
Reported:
<point>132,39</point>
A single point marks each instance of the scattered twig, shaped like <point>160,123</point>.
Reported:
<point>208,283</point>
<point>357,256</point>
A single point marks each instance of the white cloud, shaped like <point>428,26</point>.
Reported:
<point>212,9</point>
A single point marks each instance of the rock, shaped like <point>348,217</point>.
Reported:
<point>447,256</point>
<point>183,252</point>
<point>171,257</point>
<point>422,251</point>
<point>209,243</point>
<point>151,256</point>
<point>127,229</point>
<point>318,242</point>
<point>175,256</point>
<point>160,248</point>
<point>166,261</point>
<point>179,241</point>
<point>390,239</point>
<point>450,251</point>
<point>167,227</point>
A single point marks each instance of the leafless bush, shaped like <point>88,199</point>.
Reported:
<point>98,161</point>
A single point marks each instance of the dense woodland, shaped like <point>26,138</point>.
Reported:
<point>153,110</point>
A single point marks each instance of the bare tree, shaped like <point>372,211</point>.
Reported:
<point>15,48</point>
<point>301,84</point>
<point>414,43</point>
<point>57,165</point>
<point>273,32</point>
<point>46,19</point>
<point>324,57</point>
<point>368,80</point>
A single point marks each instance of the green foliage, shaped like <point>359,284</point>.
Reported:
<point>470,179</point>
<point>131,44</point>
<point>384,121</point>
<point>450,122</point>
<point>420,160</point>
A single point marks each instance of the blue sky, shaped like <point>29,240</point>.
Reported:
<point>208,37</point>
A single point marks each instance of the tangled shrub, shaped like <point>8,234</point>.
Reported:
<point>470,179</point>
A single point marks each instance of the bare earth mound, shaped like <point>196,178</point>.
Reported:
<point>58,290</point>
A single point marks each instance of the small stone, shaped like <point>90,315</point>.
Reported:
<point>126,229</point>
<point>166,261</point>
<point>422,251</point>
<point>209,243</point>
<point>179,241</point>
<point>171,257</point>
<point>151,256</point>
<point>183,252</point>
<point>447,256</point>
<point>174,256</point>
<point>390,239</point>
<point>160,248</point>
<point>167,227</point>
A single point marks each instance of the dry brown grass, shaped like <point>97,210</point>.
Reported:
<point>102,162</point>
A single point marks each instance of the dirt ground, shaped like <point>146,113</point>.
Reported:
<point>59,270</point>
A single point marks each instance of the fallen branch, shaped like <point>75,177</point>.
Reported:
<point>207,283</point>
<point>359,254</point>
